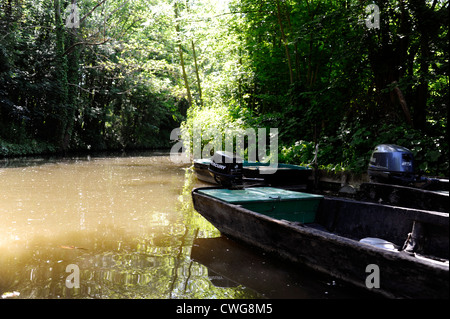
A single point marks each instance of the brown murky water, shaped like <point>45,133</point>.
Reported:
<point>127,224</point>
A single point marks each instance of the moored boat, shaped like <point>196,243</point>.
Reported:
<point>254,172</point>
<point>405,251</point>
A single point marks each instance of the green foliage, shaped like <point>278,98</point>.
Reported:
<point>30,148</point>
<point>209,124</point>
<point>431,153</point>
<point>301,153</point>
<point>312,69</point>
<point>108,84</point>
<point>355,146</point>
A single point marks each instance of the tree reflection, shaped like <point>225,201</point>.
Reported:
<point>117,263</point>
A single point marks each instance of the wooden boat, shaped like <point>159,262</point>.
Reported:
<point>253,172</point>
<point>331,242</point>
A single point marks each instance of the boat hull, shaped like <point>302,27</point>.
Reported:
<point>401,275</point>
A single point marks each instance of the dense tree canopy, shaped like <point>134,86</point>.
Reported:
<point>106,84</point>
<point>125,73</point>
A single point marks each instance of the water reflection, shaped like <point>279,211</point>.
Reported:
<point>124,221</point>
<point>231,264</point>
<point>128,223</point>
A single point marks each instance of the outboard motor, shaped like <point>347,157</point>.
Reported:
<point>393,164</point>
<point>227,169</point>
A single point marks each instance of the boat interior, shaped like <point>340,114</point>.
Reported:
<point>416,231</point>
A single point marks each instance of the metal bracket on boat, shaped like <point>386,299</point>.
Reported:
<point>414,238</point>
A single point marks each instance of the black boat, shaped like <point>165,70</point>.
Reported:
<point>403,251</point>
<point>255,172</point>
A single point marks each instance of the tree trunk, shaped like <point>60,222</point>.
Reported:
<point>283,37</point>
<point>196,73</point>
<point>61,77</point>
<point>180,52</point>
<point>296,50</point>
<point>403,104</point>
<point>72,78</point>
<point>423,15</point>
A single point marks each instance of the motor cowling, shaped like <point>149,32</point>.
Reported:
<point>392,164</point>
<point>227,169</point>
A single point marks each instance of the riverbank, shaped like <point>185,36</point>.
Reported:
<point>46,157</point>
<point>41,149</point>
<point>34,147</point>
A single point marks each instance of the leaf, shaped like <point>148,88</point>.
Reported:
<point>433,155</point>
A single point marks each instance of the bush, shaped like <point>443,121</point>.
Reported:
<point>431,153</point>
<point>208,119</point>
<point>301,153</point>
<point>32,147</point>
<point>347,151</point>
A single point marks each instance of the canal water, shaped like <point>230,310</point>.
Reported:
<point>125,227</point>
